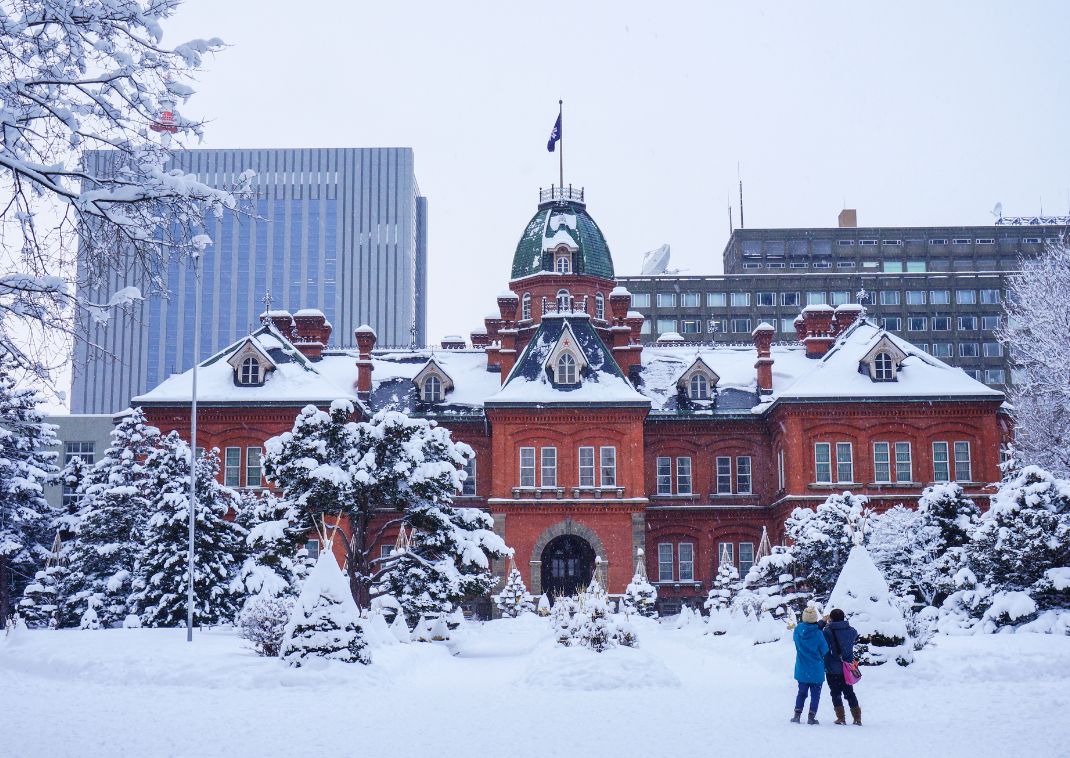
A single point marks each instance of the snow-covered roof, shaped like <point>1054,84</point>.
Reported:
<point>836,376</point>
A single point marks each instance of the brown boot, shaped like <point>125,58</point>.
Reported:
<point>841,716</point>
<point>796,717</point>
<point>856,713</point>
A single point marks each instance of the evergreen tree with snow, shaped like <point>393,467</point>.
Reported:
<point>26,466</point>
<point>1023,535</point>
<point>640,596</point>
<point>115,503</point>
<point>276,531</point>
<point>725,585</point>
<point>862,593</point>
<point>162,571</point>
<point>907,549</point>
<point>399,468</point>
<point>820,538</point>
<point>324,622</point>
<point>771,586</point>
<point>514,598</point>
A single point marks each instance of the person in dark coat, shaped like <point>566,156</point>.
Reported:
<point>810,650</point>
<point>841,638</point>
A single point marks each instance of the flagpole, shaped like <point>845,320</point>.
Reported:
<point>561,145</point>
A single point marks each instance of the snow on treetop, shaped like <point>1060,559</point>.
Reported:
<point>862,593</point>
<point>325,578</point>
<point>1059,578</point>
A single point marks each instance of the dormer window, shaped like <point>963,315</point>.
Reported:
<point>525,307</point>
<point>566,369</point>
<point>600,307</point>
<point>698,382</point>
<point>432,389</point>
<point>564,300</point>
<point>883,367</point>
<point>699,387</point>
<point>250,372</point>
<point>432,383</point>
<point>563,262</point>
<point>883,361</point>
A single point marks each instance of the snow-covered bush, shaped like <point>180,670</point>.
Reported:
<point>544,605</point>
<point>38,605</point>
<point>89,619</point>
<point>725,586</point>
<point>262,622</point>
<point>162,572</point>
<point>821,538</point>
<point>640,596</point>
<point>862,594</point>
<point>767,629</point>
<point>324,623</point>
<point>515,598</point>
<point>586,621</point>
<point>276,534</point>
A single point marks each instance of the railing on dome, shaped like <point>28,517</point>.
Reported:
<point>561,193</point>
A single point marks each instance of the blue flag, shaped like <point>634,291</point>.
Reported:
<point>555,135</point>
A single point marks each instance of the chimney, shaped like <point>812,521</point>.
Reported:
<point>671,338</point>
<point>453,342</point>
<point>763,340</point>
<point>846,315</point>
<point>366,338</point>
<point>800,327</point>
<point>620,299</point>
<point>508,303</point>
<point>281,320</point>
<point>817,323</point>
<point>848,218</point>
<point>311,332</point>
<point>480,338</point>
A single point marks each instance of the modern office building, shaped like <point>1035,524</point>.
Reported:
<point>942,288</point>
<point>341,230</point>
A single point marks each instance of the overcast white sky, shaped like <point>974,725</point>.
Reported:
<point>914,113</point>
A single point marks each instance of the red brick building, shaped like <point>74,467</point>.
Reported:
<point>589,445</point>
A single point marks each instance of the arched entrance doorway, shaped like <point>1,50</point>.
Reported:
<point>567,565</point>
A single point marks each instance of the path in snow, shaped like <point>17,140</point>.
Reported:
<point>508,689</point>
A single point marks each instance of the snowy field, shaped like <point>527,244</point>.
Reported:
<point>505,688</point>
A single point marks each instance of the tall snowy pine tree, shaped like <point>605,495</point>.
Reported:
<point>276,532</point>
<point>114,505</point>
<point>160,587</point>
<point>26,465</point>
<point>820,541</point>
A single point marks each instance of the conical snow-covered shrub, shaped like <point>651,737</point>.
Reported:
<point>544,605</point>
<point>515,598</point>
<point>640,596</point>
<point>725,586</point>
<point>862,593</point>
<point>38,605</point>
<point>325,623</point>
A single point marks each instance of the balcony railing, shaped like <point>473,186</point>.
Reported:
<point>561,193</point>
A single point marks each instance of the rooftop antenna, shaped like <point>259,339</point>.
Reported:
<point>739,176</point>
<point>730,229</point>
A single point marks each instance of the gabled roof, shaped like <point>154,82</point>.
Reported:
<point>602,383</point>
<point>295,380</point>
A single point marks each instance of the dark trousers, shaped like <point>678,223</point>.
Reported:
<point>814,688</point>
<point>839,689</point>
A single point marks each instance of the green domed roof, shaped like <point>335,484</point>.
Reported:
<point>556,222</point>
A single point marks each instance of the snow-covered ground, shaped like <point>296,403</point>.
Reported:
<point>504,688</point>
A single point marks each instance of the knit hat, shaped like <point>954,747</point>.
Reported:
<point>810,615</point>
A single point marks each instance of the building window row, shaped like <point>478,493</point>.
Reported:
<point>548,463</point>
<point>892,462</point>
<point>674,475</point>
<point>676,563</point>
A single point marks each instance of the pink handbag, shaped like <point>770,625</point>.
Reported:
<point>851,673</point>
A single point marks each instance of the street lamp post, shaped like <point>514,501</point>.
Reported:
<point>193,438</point>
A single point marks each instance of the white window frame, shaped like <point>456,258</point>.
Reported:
<point>685,556</point>
<point>567,370</point>
<point>607,466</point>
<point>586,464</point>
<point>254,466</point>
<point>904,462</point>
<point>527,467</point>
<point>548,467</point>
<point>748,561</point>
<point>883,367</point>
<point>525,307</point>
<point>431,392</point>
<point>744,475</point>
<point>698,387</point>
<point>882,463</point>
<point>664,475</point>
<point>781,473</point>
<point>963,462</point>
<point>312,548</point>
<point>941,462</point>
<point>232,467</point>
<point>468,486</point>
<point>845,462</point>
<point>683,475</point>
<point>600,307</point>
<point>823,468</point>
<point>723,472</point>
<point>665,562</point>
<point>250,371</point>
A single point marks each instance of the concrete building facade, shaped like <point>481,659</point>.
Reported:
<point>342,230</point>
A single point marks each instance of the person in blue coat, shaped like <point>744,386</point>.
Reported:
<point>841,638</point>
<point>810,650</point>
